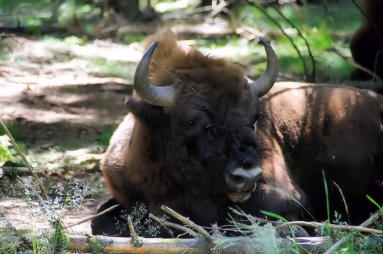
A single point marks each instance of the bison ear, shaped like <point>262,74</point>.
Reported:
<point>151,116</point>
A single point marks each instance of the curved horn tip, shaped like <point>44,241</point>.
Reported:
<point>152,47</point>
<point>264,83</point>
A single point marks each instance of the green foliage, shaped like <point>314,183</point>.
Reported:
<point>114,68</point>
<point>104,137</point>
<point>336,215</point>
<point>5,154</point>
<point>375,203</point>
<point>131,37</point>
<point>326,225</point>
<point>327,196</point>
<point>274,215</point>
<point>14,129</point>
<point>36,245</point>
<point>35,14</point>
<point>94,245</point>
<point>321,25</point>
<point>59,241</point>
<point>292,231</point>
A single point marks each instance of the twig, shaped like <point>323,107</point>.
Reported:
<point>313,70</point>
<point>218,8</point>
<point>366,223</point>
<point>135,239</point>
<point>354,64</point>
<point>31,169</point>
<point>173,225</point>
<point>188,222</point>
<point>93,216</point>
<point>313,224</point>
<point>263,10</point>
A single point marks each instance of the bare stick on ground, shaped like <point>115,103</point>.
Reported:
<point>188,222</point>
<point>179,246</point>
<point>361,229</point>
<point>93,216</point>
<point>173,225</point>
<point>134,236</point>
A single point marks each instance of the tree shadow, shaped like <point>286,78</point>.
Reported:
<point>69,115</point>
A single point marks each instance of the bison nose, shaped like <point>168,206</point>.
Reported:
<point>242,180</point>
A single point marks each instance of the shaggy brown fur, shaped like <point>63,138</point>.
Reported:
<point>367,43</point>
<point>307,131</point>
<point>180,155</point>
<point>172,63</point>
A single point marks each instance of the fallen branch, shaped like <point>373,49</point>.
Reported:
<point>366,223</point>
<point>175,246</point>
<point>136,241</point>
<point>188,222</point>
<point>173,225</point>
<point>314,224</point>
<point>93,216</point>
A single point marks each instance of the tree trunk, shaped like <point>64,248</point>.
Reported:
<point>128,8</point>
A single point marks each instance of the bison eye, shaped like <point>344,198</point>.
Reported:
<point>254,118</point>
<point>208,127</point>
<point>190,122</point>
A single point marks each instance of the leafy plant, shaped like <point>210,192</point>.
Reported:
<point>59,241</point>
<point>375,203</point>
<point>326,224</point>
<point>5,154</point>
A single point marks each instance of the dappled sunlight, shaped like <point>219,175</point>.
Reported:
<point>50,63</point>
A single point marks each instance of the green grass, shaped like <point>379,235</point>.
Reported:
<point>113,68</point>
<point>104,138</point>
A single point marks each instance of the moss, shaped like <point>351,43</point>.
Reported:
<point>95,245</point>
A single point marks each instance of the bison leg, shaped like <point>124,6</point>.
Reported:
<point>114,222</point>
<point>107,224</point>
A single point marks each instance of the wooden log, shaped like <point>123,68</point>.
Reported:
<point>119,245</point>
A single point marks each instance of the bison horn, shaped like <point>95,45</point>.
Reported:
<point>155,95</point>
<point>264,83</point>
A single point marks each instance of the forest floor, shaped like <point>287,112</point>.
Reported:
<point>63,112</point>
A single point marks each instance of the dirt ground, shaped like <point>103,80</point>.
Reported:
<point>63,106</point>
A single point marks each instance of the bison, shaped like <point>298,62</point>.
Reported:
<point>200,138</point>
<point>366,44</point>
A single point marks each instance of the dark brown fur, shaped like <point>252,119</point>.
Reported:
<point>158,157</point>
<point>308,132</point>
<point>367,43</point>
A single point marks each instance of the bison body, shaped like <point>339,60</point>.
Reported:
<point>309,134</point>
<point>219,142</point>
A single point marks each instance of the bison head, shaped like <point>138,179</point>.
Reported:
<point>201,126</point>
